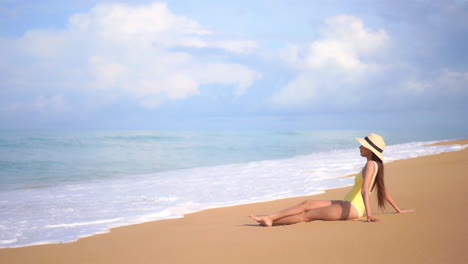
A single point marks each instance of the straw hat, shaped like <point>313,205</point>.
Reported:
<point>374,143</point>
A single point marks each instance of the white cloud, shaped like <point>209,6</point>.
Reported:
<point>352,35</point>
<point>416,87</point>
<point>42,43</point>
<point>334,65</point>
<point>298,92</point>
<point>443,83</point>
<point>228,73</point>
<point>151,102</point>
<point>239,46</point>
<point>55,103</point>
<point>121,18</point>
<point>130,49</point>
<point>454,81</point>
<point>175,86</point>
<point>344,43</point>
<point>107,73</point>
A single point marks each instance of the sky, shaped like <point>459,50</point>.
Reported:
<point>206,64</point>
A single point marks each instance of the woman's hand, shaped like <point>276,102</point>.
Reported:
<point>372,219</point>
<point>407,211</point>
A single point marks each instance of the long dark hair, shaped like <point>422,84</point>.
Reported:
<point>379,181</point>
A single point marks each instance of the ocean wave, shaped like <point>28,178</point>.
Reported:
<point>97,222</point>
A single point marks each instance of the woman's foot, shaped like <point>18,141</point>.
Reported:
<point>262,220</point>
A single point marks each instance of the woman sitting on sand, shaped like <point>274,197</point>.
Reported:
<point>355,203</point>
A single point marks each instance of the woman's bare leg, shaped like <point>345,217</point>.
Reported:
<point>336,210</point>
<point>268,220</point>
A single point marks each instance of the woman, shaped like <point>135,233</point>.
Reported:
<point>355,203</point>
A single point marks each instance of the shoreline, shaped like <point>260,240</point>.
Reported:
<point>214,234</point>
<point>145,198</point>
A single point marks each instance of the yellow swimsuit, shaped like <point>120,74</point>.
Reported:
<point>354,195</point>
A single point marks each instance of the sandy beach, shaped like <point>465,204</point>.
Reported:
<point>436,233</point>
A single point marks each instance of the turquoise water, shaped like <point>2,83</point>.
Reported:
<point>44,158</point>
<point>58,186</point>
<point>35,159</point>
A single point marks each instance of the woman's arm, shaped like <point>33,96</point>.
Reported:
<point>390,200</point>
<point>367,174</point>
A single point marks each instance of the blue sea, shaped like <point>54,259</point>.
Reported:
<point>59,186</point>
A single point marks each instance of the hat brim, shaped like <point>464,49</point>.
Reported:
<point>364,143</point>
